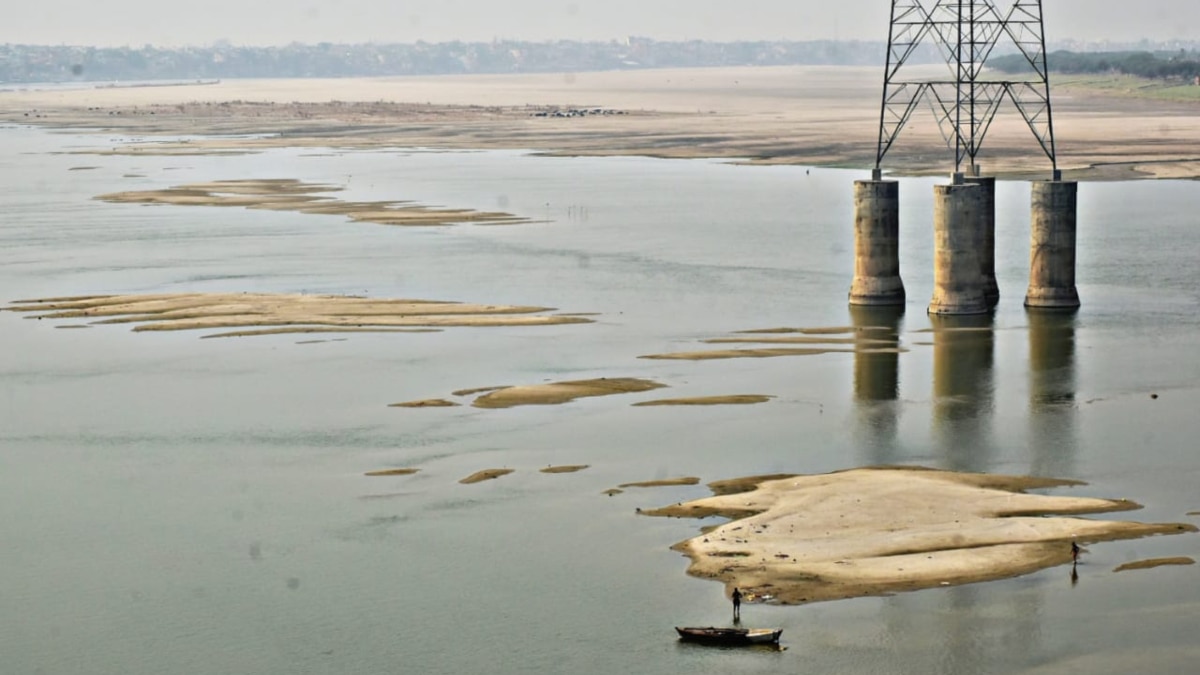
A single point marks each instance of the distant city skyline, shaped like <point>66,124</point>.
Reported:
<point>276,22</point>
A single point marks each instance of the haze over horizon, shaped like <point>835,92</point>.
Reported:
<point>136,23</point>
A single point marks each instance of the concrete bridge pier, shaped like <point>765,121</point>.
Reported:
<point>877,243</point>
<point>958,286</point>
<point>1052,245</point>
<point>987,243</point>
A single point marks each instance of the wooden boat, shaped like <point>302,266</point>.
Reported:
<point>730,636</point>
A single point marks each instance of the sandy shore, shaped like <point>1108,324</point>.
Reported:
<point>797,115</point>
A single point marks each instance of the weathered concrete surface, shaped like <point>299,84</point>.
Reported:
<point>987,241</point>
<point>957,279</point>
<point>877,244</point>
<point>1052,245</point>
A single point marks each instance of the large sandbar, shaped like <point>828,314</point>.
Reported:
<point>880,531</point>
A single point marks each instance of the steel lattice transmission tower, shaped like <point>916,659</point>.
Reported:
<point>966,32</point>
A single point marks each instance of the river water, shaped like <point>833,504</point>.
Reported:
<point>188,506</point>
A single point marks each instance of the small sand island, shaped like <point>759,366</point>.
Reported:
<point>277,313</point>
<point>663,482</point>
<point>292,195</point>
<point>878,531</point>
<point>730,399</point>
<point>552,393</point>
<point>565,468</point>
<point>1154,562</point>
<point>391,472</point>
<point>425,403</point>
<point>774,342</point>
<point>486,474</point>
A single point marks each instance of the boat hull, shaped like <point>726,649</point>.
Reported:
<point>731,637</point>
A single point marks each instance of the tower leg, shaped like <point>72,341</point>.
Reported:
<point>877,244</point>
<point>1052,246</point>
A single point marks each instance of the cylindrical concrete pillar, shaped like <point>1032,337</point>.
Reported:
<point>1052,246</point>
<point>877,244</point>
<point>987,242</point>
<point>957,281</point>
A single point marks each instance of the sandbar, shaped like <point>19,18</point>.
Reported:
<point>801,340</point>
<point>556,393</point>
<point>1154,562</point>
<point>776,342</point>
<point>566,468</point>
<point>486,474</point>
<point>281,312</point>
<point>731,399</point>
<point>425,403</point>
<point>284,194</point>
<point>392,472</point>
<point>760,353</point>
<point>827,330</point>
<point>476,390</point>
<point>663,482</point>
<point>879,531</point>
<point>300,330</point>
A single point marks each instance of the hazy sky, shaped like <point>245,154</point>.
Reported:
<point>272,22</point>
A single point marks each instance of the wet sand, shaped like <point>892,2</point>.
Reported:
<point>885,530</point>
<point>778,115</point>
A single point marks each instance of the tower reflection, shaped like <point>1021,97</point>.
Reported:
<point>963,390</point>
<point>877,380</point>
<point>1052,389</point>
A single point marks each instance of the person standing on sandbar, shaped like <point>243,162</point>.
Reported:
<point>737,604</point>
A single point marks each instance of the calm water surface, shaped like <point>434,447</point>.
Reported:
<point>187,506</point>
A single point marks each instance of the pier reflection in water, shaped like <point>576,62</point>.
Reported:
<point>1052,386</point>
<point>877,380</point>
<point>963,390</point>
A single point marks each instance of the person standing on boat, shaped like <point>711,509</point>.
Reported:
<point>737,604</point>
